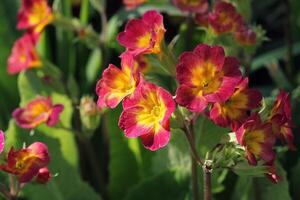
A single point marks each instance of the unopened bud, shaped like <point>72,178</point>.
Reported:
<point>89,113</point>
<point>43,176</point>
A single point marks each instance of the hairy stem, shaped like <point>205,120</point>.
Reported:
<point>195,185</point>
<point>207,182</point>
<point>189,132</point>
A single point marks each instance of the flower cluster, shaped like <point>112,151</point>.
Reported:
<point>208,82</point>
<point>146,107</point>
<point>222,18</point>
<point>33,16</point>
<point>31,162</point>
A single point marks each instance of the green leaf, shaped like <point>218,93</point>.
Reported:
<point>294,180</point>
<point>175,156</point>
<point>8,83</point>
<point>274,54</point>
<point>165,186</point>
<point>263,188</point>
<point>64,161</point>
<point>123,165</point>
<point>208,135</point>
<point>93,66</point>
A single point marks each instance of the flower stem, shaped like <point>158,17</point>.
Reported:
<point>189,132</point>
<point>195,185</point>
<point>207,181</point>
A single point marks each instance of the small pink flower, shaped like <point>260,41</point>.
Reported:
<point>26,163</point>
<point>205,76</point>
<point>144,35</point>
<point>258,140</point>
<point>225,18</point>
<point>23,55</point>
<point>34,15</point>
<point>39,110</point>
<point>146,115</point>
<point>116,84</point>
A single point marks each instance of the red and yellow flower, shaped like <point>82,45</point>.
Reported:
<point>27,162</point>
<point>205,76</point>
<point>39,110</point>
<point>234,111</point>
<point>144,35</point>
<point>2,141</point>
<point>281,119</point>
<point>116,84</point>
<point>34,15</point>
<point>23,55</point>
<point>146,115</point>
<point>196,6</point>
<point>258,140</point>
<point>132,4</point>
<point>245,36</point>
<point>225,18</point>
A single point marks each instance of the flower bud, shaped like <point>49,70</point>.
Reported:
<point>43,176</point>
<point>89,114</point>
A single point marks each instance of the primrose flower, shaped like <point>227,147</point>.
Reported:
<point>281,119</point>
<point>23,55</point>
<point>143,36</point>
<point>116,84</point>
<point>132,4</point>
<point>34,15</point>
<point>43,176</point>
<point>38,111</point>
<point>27,162</point>
<point>196,6</point>
<point>258,140</point>
<point>225,18</point>
<point>205,76</point>
<point>245,36</point>
<point>2,141</point>
<point>146,115</point>
<point>234,111</point>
